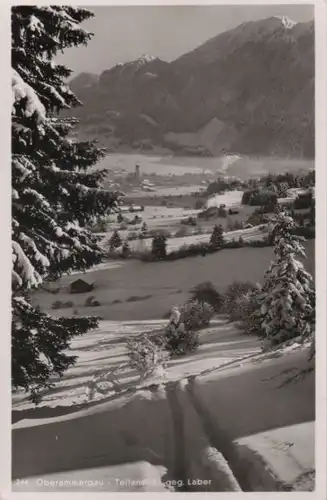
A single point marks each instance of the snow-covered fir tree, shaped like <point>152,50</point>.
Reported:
<point>217,237</point>
<point>55,197</point>
<point>287,302</point>
<point>115,240</point>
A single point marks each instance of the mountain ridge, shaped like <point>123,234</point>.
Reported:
<point>252,86</point>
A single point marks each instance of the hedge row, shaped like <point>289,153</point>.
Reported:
<point>203,249</point>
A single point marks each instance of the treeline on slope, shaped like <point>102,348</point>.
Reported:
<point>158,252</point>
<point>278,183</point>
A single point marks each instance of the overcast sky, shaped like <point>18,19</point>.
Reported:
<point>124,33</point>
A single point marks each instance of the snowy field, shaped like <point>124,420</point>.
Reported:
<point>104,349</point>
<point>229,198</point>
<point>154,215</point>
<point>101,350</point>
<point>136,291</point>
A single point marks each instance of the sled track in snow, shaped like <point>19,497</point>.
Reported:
<point>233,469</point>
<point>194,465</point>
<point>179,472</point>
<point>217,437</point>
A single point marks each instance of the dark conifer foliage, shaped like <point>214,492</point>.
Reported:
<point>55,195</point>
<point>217,237</point>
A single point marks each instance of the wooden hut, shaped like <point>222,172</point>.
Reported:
<point>81,286</point>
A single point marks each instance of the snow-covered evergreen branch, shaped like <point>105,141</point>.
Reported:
<point>54,192</point>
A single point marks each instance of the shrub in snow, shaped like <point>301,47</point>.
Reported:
<point>233,295</point>
<point>181,232</point>
<point>180,341</point>
<point>61,305</point>
<point>246,306</point>
<point>91,302</point>
<point>287,301</point>
<point>147,357</point>
<point>159,246</point>
<point>196,315</point>
<point>207,292</point>
<point>57,304</point>
<point>56,197</point>
<point>190,251</point>
<point>182,336</point>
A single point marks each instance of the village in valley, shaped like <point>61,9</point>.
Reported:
<point>163,299</point>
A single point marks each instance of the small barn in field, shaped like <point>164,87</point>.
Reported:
<point>81,286</point>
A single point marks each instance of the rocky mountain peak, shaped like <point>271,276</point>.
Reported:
<point>287,22</point>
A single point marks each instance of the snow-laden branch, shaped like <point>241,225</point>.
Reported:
<point>21,90</point>
<point>23,265</point>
